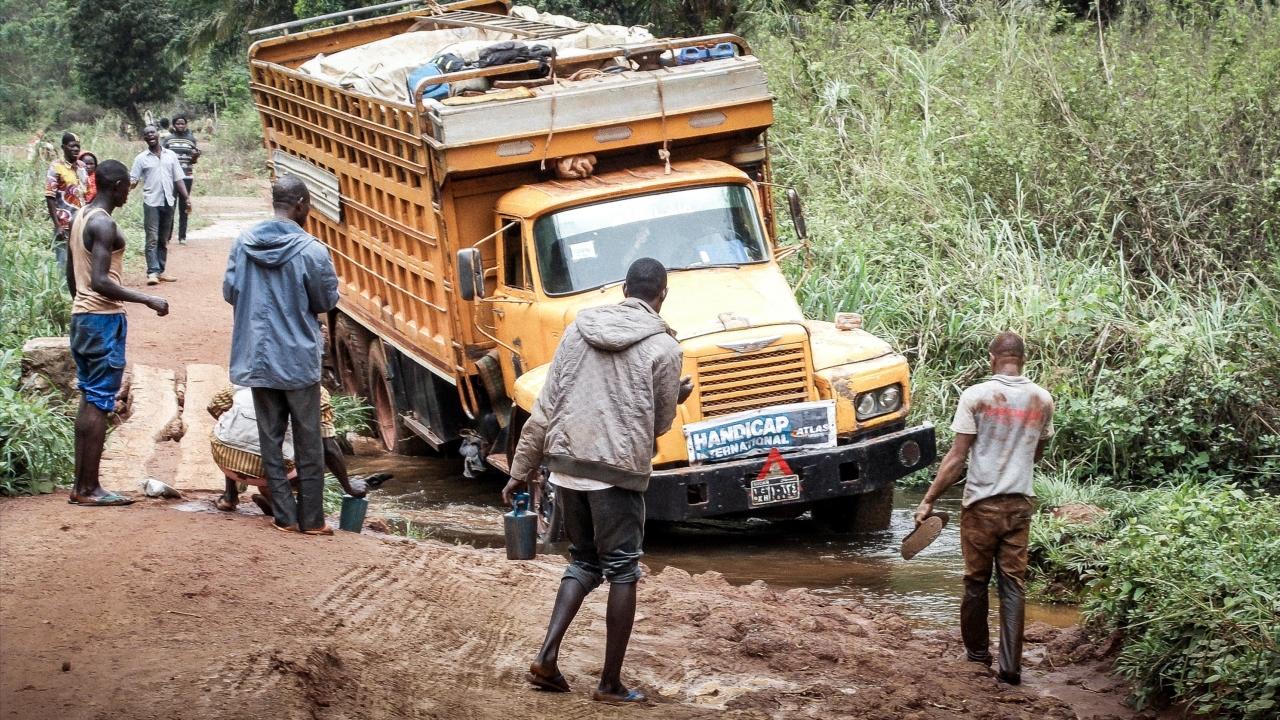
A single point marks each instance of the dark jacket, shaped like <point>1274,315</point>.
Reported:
<point>610,392</point>
<point>279,279</point>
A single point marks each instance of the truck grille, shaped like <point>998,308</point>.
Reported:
<point>733,382</point>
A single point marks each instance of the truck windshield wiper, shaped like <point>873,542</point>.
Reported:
<point>699,266</point>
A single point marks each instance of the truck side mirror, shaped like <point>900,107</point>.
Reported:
<point>797,214</point>
<point>470,274</point>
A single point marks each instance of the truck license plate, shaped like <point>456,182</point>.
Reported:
<point>776,489</point>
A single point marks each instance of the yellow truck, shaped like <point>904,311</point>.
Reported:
<point>482,172</point>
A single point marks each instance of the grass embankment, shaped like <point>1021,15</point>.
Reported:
<point>1114,196</point>
<point>36,430</point>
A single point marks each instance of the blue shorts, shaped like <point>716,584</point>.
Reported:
<point>97,346</point>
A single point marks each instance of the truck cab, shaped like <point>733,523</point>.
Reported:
<point>566,245</point>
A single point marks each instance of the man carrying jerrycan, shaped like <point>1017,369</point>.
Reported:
<point>613,388</point>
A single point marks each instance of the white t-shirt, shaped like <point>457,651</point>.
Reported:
<point>1009,414</point>
<point>572,482</point>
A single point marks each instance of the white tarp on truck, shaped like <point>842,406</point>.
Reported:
<point>381,68</point>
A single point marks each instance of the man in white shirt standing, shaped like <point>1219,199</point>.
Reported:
<point>161,175</point>
<point>1001,426</point>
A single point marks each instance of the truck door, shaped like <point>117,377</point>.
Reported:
<point>514,324</point>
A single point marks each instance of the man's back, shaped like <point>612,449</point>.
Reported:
<point>279,278</point>
<point>1009,415</point>
<point>611,391</point>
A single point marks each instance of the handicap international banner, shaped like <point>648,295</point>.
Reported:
<point>806,425</point>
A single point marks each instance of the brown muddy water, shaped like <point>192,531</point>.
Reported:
<point>430,497</point>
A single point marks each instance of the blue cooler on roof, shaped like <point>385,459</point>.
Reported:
<point>422,78</point>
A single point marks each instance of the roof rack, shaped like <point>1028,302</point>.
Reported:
<point>348,15</point>
<point>520,27</point>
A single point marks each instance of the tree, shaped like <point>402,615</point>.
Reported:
<point>128,57</point>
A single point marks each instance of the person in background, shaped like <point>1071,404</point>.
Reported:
<point>90,162</point>
<point>98,326</point>
<point>64,193</point>
<point>612,389</point>
<point>183,143</point>
<point>278,279</point>
<point>161,176</point>
<point>235,448</point>
<point>1001,426</point>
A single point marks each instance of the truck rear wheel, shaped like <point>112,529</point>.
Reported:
<point>391,429</point>
<point>868,512</point>
<point>351,351</point>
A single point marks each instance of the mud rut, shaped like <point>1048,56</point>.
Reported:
<point>377,627</point>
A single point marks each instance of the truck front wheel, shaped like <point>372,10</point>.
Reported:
<point>867,512</point>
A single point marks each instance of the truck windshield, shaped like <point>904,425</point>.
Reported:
<point>588,247</point>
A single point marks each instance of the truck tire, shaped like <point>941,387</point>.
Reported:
<point>389,427</point>
<point>868,512</point>
<point>351,356</point>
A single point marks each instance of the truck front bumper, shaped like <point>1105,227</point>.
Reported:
<point>725,488</point>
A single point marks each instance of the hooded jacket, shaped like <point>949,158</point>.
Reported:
<point>610,392</point>
<point>279,278</point>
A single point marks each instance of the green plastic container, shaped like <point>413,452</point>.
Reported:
<point>353,510</point>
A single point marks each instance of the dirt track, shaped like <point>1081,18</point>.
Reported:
<point>157,613</point>
<point>167,614</point>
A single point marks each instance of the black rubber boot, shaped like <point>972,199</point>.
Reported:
<point>1013,606</point>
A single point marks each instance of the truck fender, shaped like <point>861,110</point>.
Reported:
<point>529,385</point>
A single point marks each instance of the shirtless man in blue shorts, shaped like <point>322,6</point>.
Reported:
<point>98,325</point>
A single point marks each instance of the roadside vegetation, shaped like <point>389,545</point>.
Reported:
<point>1111,192</point>
<point>35,428</point>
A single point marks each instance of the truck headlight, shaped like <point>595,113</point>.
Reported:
<point>880,401</point>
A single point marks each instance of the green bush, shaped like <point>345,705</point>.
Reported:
<point>1117,204</point>
<point>36,431</point>
<point>1193,584</point>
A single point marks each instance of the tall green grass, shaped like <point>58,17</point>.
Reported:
<point>1115,199</point>
<point>36,435</point>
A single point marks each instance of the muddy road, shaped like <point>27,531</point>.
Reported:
<point>147,612</point>
<point>431,494</point>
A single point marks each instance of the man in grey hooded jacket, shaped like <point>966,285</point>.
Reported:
<point>279,278</point>
<point>612,389</point>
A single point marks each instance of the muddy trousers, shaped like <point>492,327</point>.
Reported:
<point>995,531</point>
<point>278,410</point>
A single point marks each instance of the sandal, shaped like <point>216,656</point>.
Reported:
<point>632,696</point>
<point>322,530</point>
<point>555,683</point>
<point>108,500</point>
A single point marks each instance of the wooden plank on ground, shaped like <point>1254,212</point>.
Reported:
<point>196,470</point>
<point>130,446</point>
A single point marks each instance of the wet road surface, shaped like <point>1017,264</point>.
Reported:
<point>430,496</point>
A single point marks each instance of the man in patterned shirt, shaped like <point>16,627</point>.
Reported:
<point>64,193</point>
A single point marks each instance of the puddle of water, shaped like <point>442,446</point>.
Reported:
<point>865,569</point>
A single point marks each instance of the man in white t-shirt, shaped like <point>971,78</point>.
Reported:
<point>1001,426</point>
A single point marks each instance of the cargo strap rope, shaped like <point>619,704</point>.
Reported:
<point>664,153</point>
<point>551,128</point>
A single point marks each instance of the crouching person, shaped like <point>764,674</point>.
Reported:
<point>612,390</point>
<point>235,448</point>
